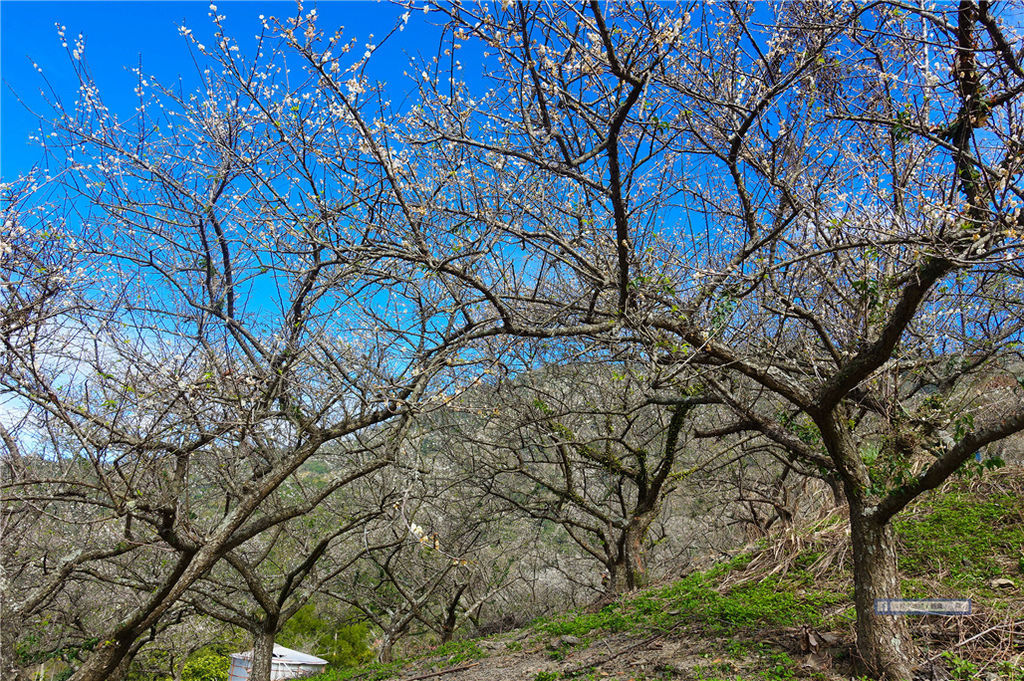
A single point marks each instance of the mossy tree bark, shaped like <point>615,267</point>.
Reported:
<point>627,569</point>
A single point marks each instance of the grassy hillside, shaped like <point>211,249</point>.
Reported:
<point>781,608</point>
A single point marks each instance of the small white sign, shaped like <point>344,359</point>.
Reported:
<point>922,606</point>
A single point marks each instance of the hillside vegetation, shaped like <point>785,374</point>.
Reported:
<point>780,609</point>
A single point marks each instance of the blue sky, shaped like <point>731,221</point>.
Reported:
<point>117,34</point>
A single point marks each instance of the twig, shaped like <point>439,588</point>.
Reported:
<point>594,665</point>
<point>442,672</point>
<point>1011,625</point>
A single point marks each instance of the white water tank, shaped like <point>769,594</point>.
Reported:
<point>287,664</point>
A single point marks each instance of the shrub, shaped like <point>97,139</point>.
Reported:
<point>206,666</point>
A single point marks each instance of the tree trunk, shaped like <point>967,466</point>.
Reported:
<point>617,582</point>
<point>451,618</point>
<point>8,659</point>
<point>262,656</point>
<point>108,662</point>
<point>838,497</point>
<point>627,570</point>
<point>191,565</point>
<point>387,642</point>
<point>883,641</point>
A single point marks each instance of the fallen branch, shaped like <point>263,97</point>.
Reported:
<point>442,672</point>
<point>594,665</point>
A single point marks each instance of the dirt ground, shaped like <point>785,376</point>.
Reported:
<point>522,656</point>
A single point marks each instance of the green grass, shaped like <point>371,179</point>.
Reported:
<point>369,672</point>
<point>966,539</point>
<point>714,670</point>
<point>806,558</point>
<point>774,665</point>
<point>454,652</point>
<point>696,600</point>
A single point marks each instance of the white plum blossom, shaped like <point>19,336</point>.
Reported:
<point>354,86</point>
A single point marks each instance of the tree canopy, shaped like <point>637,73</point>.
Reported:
<point>799,223</point>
